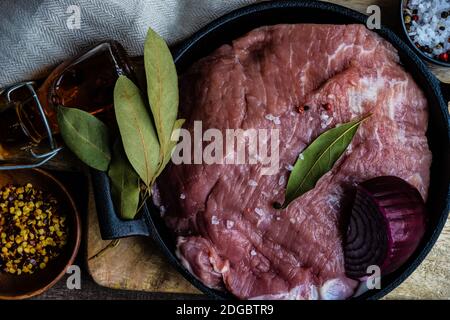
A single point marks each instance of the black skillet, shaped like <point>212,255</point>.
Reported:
<point>236,24</point>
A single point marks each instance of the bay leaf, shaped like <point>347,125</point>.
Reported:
<point>125,183</point>
<point>318,158</point>
<point>162,89</point>
<point>173,142</point>
<point>86,136</point>
<point>136,129</point>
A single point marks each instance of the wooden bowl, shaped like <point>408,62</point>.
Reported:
<point>14,287</point>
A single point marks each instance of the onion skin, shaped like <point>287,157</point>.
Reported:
<point>387,223</point>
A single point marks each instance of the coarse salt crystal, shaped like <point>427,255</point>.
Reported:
<point>260,212</point>
<point>292,220</point>
<point>326,120</point>
<point>182,196</point>
<point>278,218</point>
<point>252,183</point>
<point>272,118</point>
<point>214,220</point>
<point>289,167</point>
<point>230,224</point>
<point>301,157</point>
<point>281,181</point>
<point>431,30</point>
<point>253,253</point>
<point>349,149</point>
<point>162,211</point>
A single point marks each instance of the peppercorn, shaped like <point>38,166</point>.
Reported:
<point>444,15</point>
<point>443,56</point>
<point>442,28</point>
<point>328,106</point>
<point>302,109</point>
<point>415,17</point>
<point>427,49</point>
<point>407,19</point>
<point>414,11</point>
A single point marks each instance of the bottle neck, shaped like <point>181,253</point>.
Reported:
<point>138,67</point>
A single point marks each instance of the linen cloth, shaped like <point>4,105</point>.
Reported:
<point>34,35</point>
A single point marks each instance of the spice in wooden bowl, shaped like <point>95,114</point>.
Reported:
<point>32,232</point>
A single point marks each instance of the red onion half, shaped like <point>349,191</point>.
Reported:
<point>387,222</point>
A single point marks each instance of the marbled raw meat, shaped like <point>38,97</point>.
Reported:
<point>294,253</point>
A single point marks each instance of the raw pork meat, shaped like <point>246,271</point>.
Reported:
<point>229,234</point>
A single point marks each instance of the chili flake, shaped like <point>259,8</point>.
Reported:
<point>32,232</point>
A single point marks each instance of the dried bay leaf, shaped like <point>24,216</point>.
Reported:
<point>162,89</point>
<point>173,142</point>
<point>318,158</point>
<point>86,136</point>
<point>125,183</point>
<point>136,129</point>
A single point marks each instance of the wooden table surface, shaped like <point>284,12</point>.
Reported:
<point>430,280</point>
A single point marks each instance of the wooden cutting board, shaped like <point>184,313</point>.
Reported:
<point>136,264</point>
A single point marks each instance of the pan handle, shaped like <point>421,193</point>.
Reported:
<point>111,226</point>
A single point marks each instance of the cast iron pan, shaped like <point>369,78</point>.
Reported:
<point>236,24</point>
